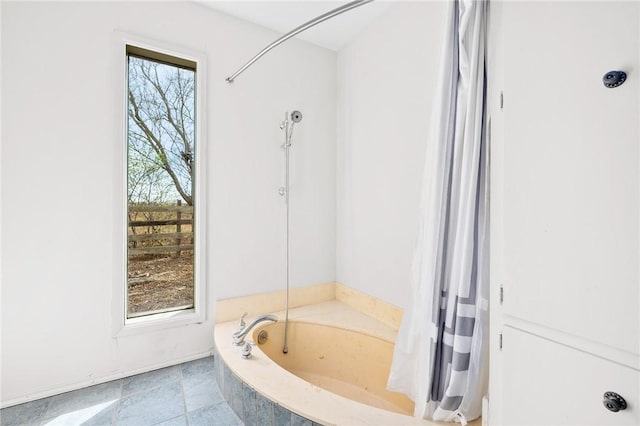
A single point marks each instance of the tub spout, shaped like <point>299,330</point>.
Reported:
<point>238,336</point>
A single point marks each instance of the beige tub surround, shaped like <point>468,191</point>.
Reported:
<point>258,304</point>
<point>312,401</point>
<point>384,312</point>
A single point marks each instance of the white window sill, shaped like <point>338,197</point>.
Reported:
<point>161,321</point>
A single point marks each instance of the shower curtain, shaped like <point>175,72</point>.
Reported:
<point>441,354</point>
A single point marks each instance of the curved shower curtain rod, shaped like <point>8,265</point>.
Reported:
<point>330,14</point>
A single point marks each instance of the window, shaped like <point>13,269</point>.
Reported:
<point>161,176</point>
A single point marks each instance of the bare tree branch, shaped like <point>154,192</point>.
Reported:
<point>161,105</point>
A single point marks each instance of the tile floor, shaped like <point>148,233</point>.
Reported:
<point>181,395</point>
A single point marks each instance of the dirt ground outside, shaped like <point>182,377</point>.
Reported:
<point>159,283</point>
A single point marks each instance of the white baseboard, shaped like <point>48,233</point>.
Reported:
<point>102,379</point>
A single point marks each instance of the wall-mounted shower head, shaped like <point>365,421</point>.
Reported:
<point>296,116</point>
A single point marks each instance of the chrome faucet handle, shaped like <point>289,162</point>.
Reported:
<point>241,323</point>
<point>246,350</point>
<point>238,336</point>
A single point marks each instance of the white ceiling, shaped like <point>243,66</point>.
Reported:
<point>284,16</point>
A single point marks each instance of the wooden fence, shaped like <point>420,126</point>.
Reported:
<point>160,229</point>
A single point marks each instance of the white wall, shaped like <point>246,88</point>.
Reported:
<point>386,79</point>
<point>60,173</point>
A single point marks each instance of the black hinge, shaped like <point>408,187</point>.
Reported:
<point>501,294</point>
<point>500,341</point>
<point>501,101</point>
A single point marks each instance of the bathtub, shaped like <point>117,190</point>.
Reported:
<point>334,373</point>
<point>346,362</point>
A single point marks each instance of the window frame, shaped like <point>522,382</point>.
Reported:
<point>123,326</point>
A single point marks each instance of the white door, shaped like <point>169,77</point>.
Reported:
<point>565,213</point>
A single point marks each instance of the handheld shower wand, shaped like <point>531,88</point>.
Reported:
<point>296,117</point>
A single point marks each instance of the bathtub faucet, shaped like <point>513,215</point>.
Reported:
<point>238,336</point>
